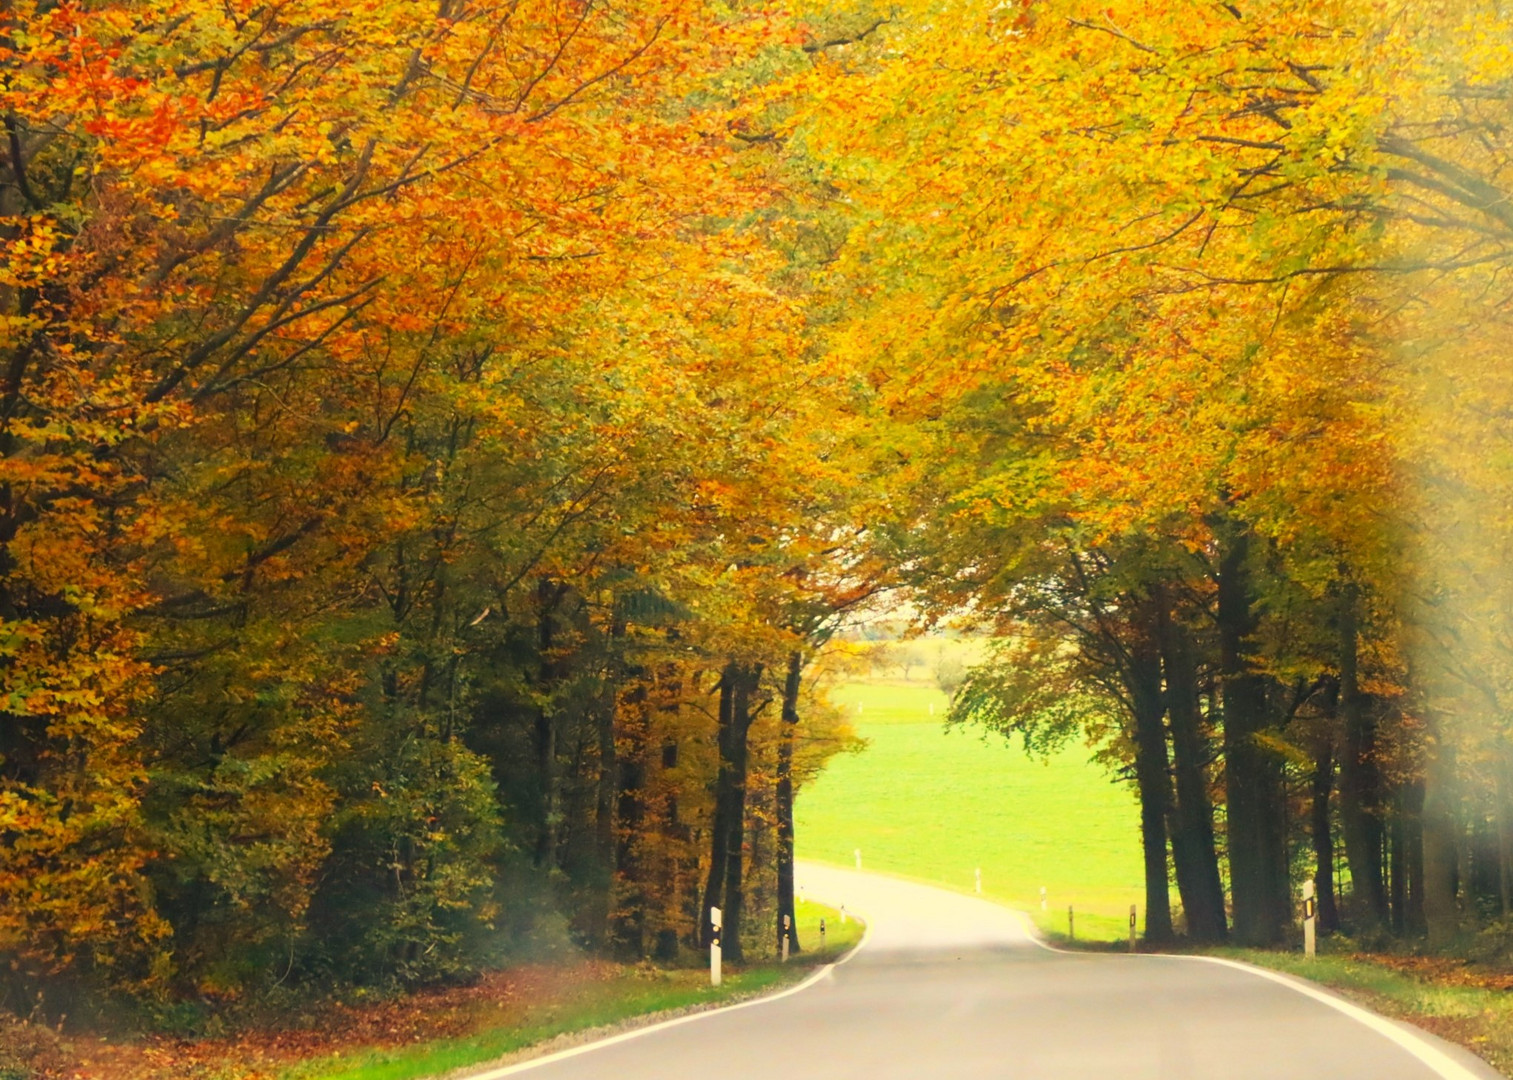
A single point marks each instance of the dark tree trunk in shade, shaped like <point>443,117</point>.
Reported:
<point>1504,835</point>
<point>1320,786</point>
<point>719,828</point>
<point>628,916</point>
<point>735,848</point>
<point>724,886</point>
<point>604,792</point>
<point>1144,681</point>
<point>791,685</point>
<point>1192,834</point>
<point>1397,884</point>
<point>548,595</point>
<point>607,787</point>
<point>1440,849</point>
<point>1360,781</point>
<point>1253,773</point>
<point>1411,814</point>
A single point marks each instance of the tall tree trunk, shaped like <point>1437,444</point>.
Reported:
<point>1193,850</point>
<point>735,850</point>
<point>1144,681</point>
<point>548,595</point>
<point>719,829</point>
<point>628,898</point>
<point>607,784</point>
<point>791,685</point>
<point>1360,786</point>
<point>1253,775</point>
<point>1411,813</point>
<point>1397,878</point>
<point>1504,833</point>
<point>1320,784</point>
<point>1440,845</point>
<point>607,788</point>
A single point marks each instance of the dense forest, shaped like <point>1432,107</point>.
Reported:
<point>437,440</point>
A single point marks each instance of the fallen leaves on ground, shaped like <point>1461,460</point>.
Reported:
<point>498,999</point>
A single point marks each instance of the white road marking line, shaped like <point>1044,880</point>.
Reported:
<point>625,1036</point>
<point>1406,1038</point>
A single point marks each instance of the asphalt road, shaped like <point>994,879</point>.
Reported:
<point>947,986</point>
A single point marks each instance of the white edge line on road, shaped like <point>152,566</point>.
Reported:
<point>1405,1037</point>
<point>687,1018</point>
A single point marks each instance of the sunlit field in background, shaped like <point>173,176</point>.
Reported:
<point>934,804</point>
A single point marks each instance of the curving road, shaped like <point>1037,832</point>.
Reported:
<point>947,986</point>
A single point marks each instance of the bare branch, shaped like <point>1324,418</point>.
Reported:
<point>821,46</point>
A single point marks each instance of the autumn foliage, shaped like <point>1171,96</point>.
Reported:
<point>391,401</point>
<point>435,441</point>
<point>1196,324</point>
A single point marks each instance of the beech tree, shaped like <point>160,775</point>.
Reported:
<point>1190,287</point>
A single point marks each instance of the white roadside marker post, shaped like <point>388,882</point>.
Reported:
<point>822,937</point>
<point>843,914</point>
<point>717,923</point>
<point>1071,925</point>
<point>1310,912</point>
<point>978,873</point>
<point>1132,928</point>
<point>858,854</point>
<point>786,924</point>
<point>1042,898</point>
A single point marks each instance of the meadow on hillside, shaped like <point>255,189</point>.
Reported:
<point>934,803</point>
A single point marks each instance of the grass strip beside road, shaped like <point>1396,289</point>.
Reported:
<point>632,998</point>
<point>1442,997</point>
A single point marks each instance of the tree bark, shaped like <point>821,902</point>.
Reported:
<point>719,829</point>
<point>1193,850</point>
<point>1144,681</point>
<point>1411,813</point>
<point>724,888</point>
<point>1504,835</point>
<point>607,788</point>
<point>628,887</point>
<point>1360,783</point>
<point>548,595</point>
<point>1253,774</point>
<point>1440,847</point>
<point>791,685</point>
<point>1320,785</point>
<point>1397,879</point>
<point>735,850</point>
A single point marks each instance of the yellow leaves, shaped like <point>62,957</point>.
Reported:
<point>32,260</point>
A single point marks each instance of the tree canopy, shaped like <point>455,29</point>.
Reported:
<point>437,440</point>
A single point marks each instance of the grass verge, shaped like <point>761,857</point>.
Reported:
<point>629,998</point>
<point>1446,997</point>
<point>429,1032</point>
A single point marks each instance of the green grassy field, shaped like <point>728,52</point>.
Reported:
<point>931,804</point>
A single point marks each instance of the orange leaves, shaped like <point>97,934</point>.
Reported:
<point>324,323</point>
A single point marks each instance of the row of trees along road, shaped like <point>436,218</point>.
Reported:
<point>420,496</point>
<point>1195,330</point>
<point>435,439</point>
